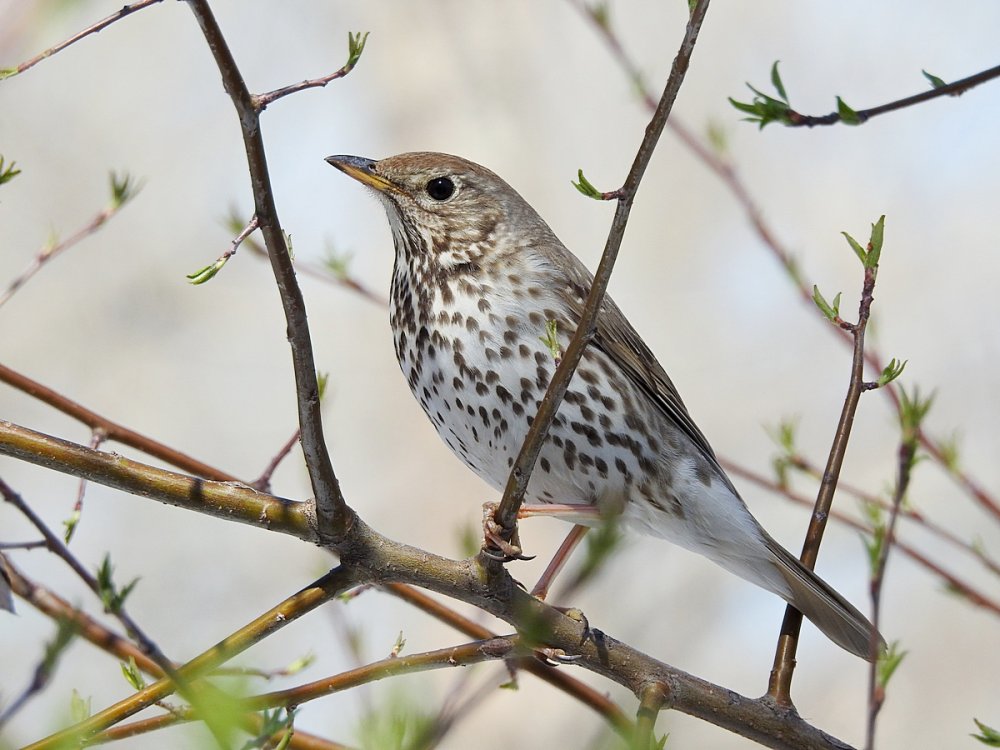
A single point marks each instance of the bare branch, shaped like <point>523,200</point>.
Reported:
<point>956,88</point>
<point>355,46</point>
<point>332,513</point>
<point>99,26</point>
<point>517,482</point>
<point>123,189</point>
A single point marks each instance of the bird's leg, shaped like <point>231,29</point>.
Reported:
<point>494,545</point>
<point>559,560</point>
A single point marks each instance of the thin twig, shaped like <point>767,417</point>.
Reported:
<point>56,545</point>
<point>99,26</point>
<point>333,515</point>
<point>803,464</point>
<point>122,192</point>
<point>955,88</point>
<point>274,619</point>
<point>651,702</point>
<point>517,481</point>
<point>598,701</point>
<point>958,586</point>
<point>726,172</point>
<point>263,482</point>
<point>86,627</point>
<point>356,45</point>
<point>378,559</point>
<point>779,685</point>
<point>111,430</point>
<point>876,690</point>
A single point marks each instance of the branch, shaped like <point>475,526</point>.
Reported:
<point>332,513</point>
<point>780,682</point>
<point>954,583</point>
<point>517,481</point>
<point>324,589</point>
<point>99,26</point>
<point>726,172</point>
<point>355,46</point>
<point>368,557</point>
<point>850,117</point>
<point>111,430</point>
<point>123,189</point>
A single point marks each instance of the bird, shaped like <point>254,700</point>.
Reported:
<point>483,299</point>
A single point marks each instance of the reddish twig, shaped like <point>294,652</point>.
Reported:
<point>99,26</point>
<point>974,596</point>
<point>122,192</point>
<point>727,173</point>
<point>111,430</point>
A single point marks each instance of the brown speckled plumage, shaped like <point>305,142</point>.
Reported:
<point>477,278</point>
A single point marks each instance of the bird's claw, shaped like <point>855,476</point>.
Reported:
<point>495,547</point>
<point>556,657</point>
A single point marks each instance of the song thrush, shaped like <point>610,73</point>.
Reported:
<point>479,280</point>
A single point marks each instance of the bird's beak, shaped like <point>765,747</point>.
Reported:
<point>362,170</point>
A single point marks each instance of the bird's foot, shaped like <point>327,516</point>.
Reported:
<point>495,546</point>
<point>556,657</point>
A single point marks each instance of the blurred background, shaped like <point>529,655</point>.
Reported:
<point>529,90</point>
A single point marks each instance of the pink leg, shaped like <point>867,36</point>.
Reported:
<point>572,539</point>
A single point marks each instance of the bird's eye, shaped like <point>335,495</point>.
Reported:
<point>440,188</point>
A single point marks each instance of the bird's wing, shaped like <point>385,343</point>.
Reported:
<point>616,337</point>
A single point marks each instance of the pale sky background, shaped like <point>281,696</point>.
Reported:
<point>528,89</point>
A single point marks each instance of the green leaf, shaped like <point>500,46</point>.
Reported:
<point>337,263</point>
<point>912,411</point>
<point>875,243</point>
<point>763,109</point>
<point>935,82</point>
<point>79,707</point>
<point>112,598</point>
<point>66,630</point>
<point>132,674</point>
<point>123,188</point>
<point>551,339</point>
<point>207,273</point>
<point>70,524</point>
<point>847,115</point>
<point>887,663</point>
<point>8,172</point>
<point>300,664</point>
<point>322,378</point>
<point>776,82</point>
<point>272,722</point>
<point>987,734</point>
<point>600,14</point>
<point>856,247</point>
<point>717,138</point>
<point>585,187</point>
<point>832,312</point>
<point>398,646</point>
<point>891,371</point>
<point>355,46</point>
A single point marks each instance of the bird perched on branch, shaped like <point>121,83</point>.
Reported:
<point>484,298</point>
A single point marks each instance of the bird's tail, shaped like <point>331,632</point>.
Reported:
<point>837,618</point>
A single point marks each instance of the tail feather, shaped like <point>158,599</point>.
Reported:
<point>837,618</point>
